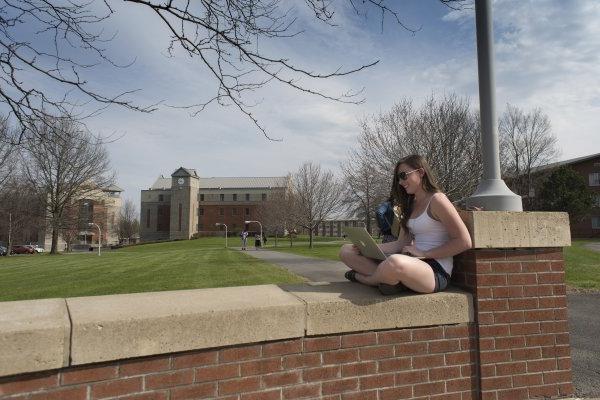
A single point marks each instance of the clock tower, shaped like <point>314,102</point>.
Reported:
<point>184,203</point>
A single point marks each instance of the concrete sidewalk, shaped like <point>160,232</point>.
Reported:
<point>315,270</point>
<point>595,246</point>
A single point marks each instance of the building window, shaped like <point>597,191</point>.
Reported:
<point>595,179</point>
<point>596,200</point>
<point>201,197</point>
<point>247,196</point>
<point>148,218</point>
<point>264,196</point>
<point>234,197</point>
<point>180,213</point>
<point>161,197</point>
<point>201,211</point>
<point>221,211</point>
<point>595,222</point>
<point>222,197</point>
<point>234,211</point>
<point>247,211</point>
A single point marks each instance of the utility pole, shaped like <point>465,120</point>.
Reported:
<point>492,194</point>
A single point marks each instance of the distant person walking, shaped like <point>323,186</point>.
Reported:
<point>256,241</point>
<point>244,236</point>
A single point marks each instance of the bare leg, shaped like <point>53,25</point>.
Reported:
<point>352,258</point>
<point>412,272</point>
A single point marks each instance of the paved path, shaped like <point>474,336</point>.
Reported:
<point>584,315</point>
<point>584,324</point>
<point>315,270</point>
<point>593,246</point>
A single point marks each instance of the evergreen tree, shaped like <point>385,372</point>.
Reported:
<point>566,190</point>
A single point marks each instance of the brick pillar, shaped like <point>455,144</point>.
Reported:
<point>521,316</point>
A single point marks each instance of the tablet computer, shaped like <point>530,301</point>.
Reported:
<point>365,243</point>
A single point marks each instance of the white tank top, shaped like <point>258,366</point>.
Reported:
<point>428,234</point>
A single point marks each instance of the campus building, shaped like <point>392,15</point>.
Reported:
<point>101,207</point>
<point>185,204</point>
<point>335,227</point>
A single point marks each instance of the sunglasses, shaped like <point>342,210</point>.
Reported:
<point>404,175</point>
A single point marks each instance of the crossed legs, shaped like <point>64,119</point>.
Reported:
<point>412,272</point>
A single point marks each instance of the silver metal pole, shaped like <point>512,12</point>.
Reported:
<point>492,194</point>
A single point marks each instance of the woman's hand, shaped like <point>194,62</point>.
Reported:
<point>413,251</point>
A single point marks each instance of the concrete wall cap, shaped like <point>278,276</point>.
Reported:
<point>350,307</point>
<point>134,325</point>
<point>507,229</point>
<point>34,336</point>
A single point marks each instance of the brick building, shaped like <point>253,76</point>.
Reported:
<point>186,204</point>
<point>101,207</point>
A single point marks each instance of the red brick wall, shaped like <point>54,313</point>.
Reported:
<point>521,310</point>
<point>423,363</point>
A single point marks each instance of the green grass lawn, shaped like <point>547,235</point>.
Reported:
<point>188,264</point>
<point>582,265</point>
<point>327,249</point>
<point>193,264</point>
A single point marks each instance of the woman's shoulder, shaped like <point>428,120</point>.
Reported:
<point>439,198</point>
<point>439,203</point>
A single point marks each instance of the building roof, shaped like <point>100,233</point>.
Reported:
<point>112,188</point>
<point>228,183</point>
<point>565,162</point>
<point>181,171</point>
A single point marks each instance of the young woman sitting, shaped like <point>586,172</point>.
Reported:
<point>432,233</point>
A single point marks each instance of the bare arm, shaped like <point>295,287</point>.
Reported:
<point>460,240</point>
<point>396,246</point>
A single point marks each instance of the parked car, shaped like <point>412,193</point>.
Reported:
<point>3,251</point>
<point>22,249</point>
<point>37,248</point>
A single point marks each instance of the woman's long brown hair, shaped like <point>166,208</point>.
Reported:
<point>399,195</point>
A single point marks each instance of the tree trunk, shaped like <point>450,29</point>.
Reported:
<point>310,238</point>
<point>54,246</point>
<point>9,244</point>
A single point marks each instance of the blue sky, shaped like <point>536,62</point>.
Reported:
<point>547,56</point>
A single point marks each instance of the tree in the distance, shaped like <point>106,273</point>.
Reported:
<point>65,163</point>
<point>444,130</point>
<point>526,142</point>
<point>21,212</point>
<point>316,196</point>
<point>128,226</point>
<point>363,187</point>
<point>566,190</point>
<point>274,213</point>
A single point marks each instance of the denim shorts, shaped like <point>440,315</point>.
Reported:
<point>441,276</point>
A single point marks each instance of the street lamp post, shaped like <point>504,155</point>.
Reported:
<point>261,235</point>
<point>99,235</point>
<point>219,224</point>
<point>492,194</point>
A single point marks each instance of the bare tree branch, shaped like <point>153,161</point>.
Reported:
<point>68,42</point>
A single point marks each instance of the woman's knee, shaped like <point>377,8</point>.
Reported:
<point>394,269</point>
<point>345,252</point>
